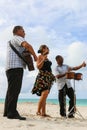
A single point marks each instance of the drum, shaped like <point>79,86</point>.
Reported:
<point>78,76</point>
<point>70,75</point>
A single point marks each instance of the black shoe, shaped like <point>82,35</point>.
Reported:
<point>20,117</point>
<point>70,116</point>
<point>4,115</point>
<point>63,115</point>
<point>17,117</point>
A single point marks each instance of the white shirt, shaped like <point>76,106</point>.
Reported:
<point>62,81</point>
<point>12,59</point>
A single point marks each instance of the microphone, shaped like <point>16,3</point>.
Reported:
<point>45,53</point>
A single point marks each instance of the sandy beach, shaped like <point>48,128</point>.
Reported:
<point>34,122</point>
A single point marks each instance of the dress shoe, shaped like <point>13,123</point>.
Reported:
<point>17,117</point>
<point>70,116</point>
<point>4,115</point>
<point>63,115</point>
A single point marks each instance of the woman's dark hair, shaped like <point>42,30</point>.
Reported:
<point>39,51</point>
<point>16,28</point>
<point>41,48</point>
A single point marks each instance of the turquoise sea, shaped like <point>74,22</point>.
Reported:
<point>79,102</point>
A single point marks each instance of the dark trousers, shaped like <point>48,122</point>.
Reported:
<point>14,78</point>
<point>62,100</point>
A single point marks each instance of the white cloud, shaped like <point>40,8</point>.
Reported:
<point>2,21</point>
<point>76,53</point>
<point>5,35</point>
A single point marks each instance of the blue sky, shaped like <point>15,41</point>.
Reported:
<point>61,24</point>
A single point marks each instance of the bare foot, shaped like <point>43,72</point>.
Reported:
<point>38,113</point>
<point>45,115</point>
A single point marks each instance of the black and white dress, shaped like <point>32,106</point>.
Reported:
<point>44,79</point>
